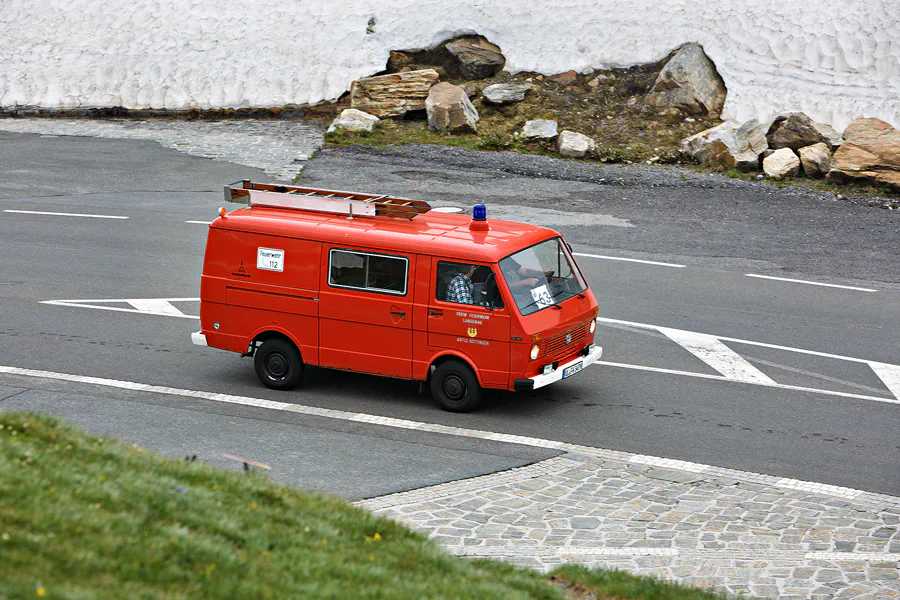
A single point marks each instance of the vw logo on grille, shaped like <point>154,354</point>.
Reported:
<point>569,339</point>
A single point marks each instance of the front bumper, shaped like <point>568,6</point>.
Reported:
<point>539,381</point>
<point>198,338</point>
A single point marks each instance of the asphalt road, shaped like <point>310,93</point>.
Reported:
<point>654,396</point>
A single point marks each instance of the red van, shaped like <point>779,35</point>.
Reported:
<point>387,286</point>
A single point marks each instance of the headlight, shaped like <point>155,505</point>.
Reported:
<point>593,325</point>
<point>534,352</point>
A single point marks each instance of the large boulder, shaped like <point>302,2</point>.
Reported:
<point>781,163</point>
<point>816,159</point>
<point>505,93</point>
<point>690,83</point>
<point>870,152</point>
<point>351,119</point>
<point>796,131</point>
<point>449,109</point>
<point>729,145</point>
<point>575,145</point>
<point>478,58</point>
<point>392,95</point>
<point>540,129</point>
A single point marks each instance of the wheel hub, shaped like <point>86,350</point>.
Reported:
<point>454,387</point>
<point>277,364</point>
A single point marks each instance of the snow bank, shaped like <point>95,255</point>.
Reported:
<point>833,59</point>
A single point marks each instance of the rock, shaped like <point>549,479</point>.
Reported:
<point>832,137</point>
<point>690,83</point>
<point>575,145</point>
<point>398,61</point>
<point>728,145</point>
<point>351,119</point>
<point>796,131</point>
<point>540,129</point>
<point>870,152</point>
<point>587,71</point>
<point>816,159</point>
<point>449,109</point>
<point>564,78</point>
<point>781,163</point>
<point>478,58</point>
<point>505,93</point>
<point>392,95</point>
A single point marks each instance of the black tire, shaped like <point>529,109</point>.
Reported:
<point>454,387</point>
<point>278,364</point>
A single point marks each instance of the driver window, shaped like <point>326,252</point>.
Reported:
<point>467,283</point>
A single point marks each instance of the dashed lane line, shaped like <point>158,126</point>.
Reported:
<point>565,447</point>
<point>831,285</point>
<point>63,214</point>
<point>634,260</point>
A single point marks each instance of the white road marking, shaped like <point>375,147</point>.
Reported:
<point>156,307</point>
<point>343,415</point>
<point>795,388</point>
<point>889,375</point>
<point>834,285</point>
<point>199,222</point>
<point>62,214</point>
<point>724,361</point>
<point>144,306</point>
<point>646,262</point>
<point>717,355</point>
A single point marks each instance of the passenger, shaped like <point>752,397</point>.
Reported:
<point>460,288</point>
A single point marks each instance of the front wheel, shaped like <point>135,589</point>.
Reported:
<point>454,387</point>
<point>278,364</point>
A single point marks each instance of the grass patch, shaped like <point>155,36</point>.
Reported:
<point>88,517</point>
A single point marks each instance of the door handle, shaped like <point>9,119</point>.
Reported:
<point>398,313</point>
<point>435,313</point>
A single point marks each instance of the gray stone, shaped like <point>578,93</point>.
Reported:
<point>505,93</point>
<point>574,145</point>
<point>816,159</point>
<point>540,129</point>
<point>392,95</point>
<point>796,130</point>
<point>690,83</point>
<point>781,164</point>
<point>729,145</point>
<point>478,58</point>
<point>449,109</point>
<point>352,119</point>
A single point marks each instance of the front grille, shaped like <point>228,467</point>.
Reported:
<point>556,344</point>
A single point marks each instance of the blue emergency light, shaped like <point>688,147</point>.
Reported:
<point>479,213</point>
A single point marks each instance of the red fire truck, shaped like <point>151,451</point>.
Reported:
<point>386,286</point>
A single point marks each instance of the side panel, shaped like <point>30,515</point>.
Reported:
<point>283,298</point>
<point>474,331</point>
<point>365,331</point>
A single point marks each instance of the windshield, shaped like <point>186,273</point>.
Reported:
<point>542,275</point>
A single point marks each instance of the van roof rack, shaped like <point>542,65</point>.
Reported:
<point>352,204</point>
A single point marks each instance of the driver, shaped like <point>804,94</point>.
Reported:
<point>520,278</point>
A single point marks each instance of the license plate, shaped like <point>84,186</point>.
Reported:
<point>568,372</point>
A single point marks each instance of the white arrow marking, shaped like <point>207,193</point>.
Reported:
<point>156,307</point>
<point>890,375</point>
<point>717,355</point>
<point>144,306</point>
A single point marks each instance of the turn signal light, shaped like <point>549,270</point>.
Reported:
<point>536,337</point>
<point>222,212</point>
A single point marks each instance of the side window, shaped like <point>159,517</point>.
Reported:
<point>466,283</point>
<point>364,271</point>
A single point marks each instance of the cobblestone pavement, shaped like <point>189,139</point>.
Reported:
<point>278,147</point>
<point>733,533</point>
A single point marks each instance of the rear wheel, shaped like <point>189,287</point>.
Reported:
<point>278,364</point>
<point>454,387</point>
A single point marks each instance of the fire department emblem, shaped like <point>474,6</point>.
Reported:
<point>569,339</point>
<point>472,332</point>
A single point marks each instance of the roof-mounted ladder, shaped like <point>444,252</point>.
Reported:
<point>353,204</point>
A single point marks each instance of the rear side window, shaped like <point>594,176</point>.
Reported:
<point>366,271</point>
